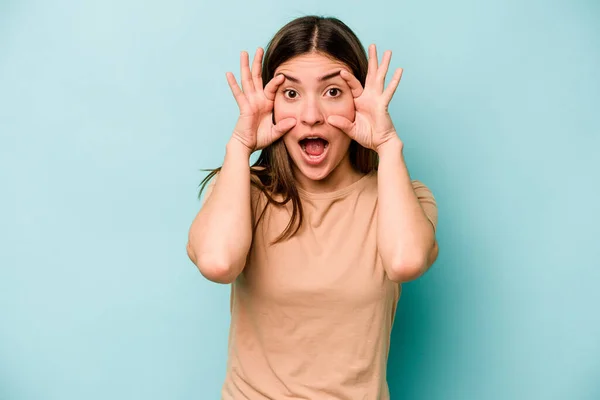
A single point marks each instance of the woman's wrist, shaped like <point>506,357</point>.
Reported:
<point>236,148</point>
<point>393,146</point>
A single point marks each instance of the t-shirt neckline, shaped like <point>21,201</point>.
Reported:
<point>336,193</point>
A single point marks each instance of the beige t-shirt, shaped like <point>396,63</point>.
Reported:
<point>311,317</point>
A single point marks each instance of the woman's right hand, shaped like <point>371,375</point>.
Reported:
<point>255,128</point>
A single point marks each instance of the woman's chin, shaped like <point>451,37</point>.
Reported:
<point>312,172</point>
<point>315,174</point>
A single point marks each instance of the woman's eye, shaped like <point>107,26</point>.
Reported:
<point>290,94</point>
<point>334,92</point>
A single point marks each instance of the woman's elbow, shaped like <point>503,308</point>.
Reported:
<point>406,271</point>
<point>408,268</point>
<point>214,268</point>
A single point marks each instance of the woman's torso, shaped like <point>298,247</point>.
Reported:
<point>312,316</point>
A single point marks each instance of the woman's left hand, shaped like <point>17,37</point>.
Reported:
<point>372,126</point>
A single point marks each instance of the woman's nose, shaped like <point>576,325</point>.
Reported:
<point>311,113</point>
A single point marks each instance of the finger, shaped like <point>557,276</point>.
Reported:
<point>354,84</point>
<point>383,69</point>
<point>247,85</point>
<point>272,86</point>
<point>391,89</point>
<point>342,123</point>
<point>372,69</point>
<point>283,126</point>
<point>239,96</point>
<point>257,69</point>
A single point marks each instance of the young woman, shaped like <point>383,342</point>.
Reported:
<point>317,236</point>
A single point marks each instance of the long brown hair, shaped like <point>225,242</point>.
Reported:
<point>273,168</point>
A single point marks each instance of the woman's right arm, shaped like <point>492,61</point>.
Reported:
<point>220,236</point>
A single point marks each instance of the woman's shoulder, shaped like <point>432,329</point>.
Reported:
<point>422,191</point>
<point>417,184</point>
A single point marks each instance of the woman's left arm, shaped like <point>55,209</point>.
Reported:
<point>405,234</point>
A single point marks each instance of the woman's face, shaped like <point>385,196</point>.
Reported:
<point>312,91</point>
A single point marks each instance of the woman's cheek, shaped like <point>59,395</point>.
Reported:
<point>343,109</point>
<point>349,109</point>
<point>282,110</point>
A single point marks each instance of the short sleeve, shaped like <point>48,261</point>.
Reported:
<point>427,201</point>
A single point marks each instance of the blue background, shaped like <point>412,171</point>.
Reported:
<point>109,109</point>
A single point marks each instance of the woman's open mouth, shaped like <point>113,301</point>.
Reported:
<point>314,149</point>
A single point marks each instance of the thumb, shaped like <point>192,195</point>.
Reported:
<point>283,126</point>
<point>342,123</point>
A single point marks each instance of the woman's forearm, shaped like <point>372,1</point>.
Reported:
<point>405,237</point>
<point>220,235</point>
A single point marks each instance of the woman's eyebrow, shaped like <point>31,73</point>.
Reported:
<point>290,78</point>
<point>320,79</point>
<point>330,75</point>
